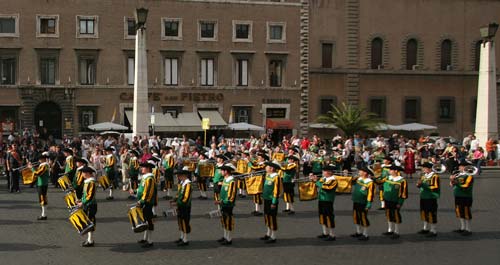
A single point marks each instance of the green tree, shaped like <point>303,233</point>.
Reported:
<point>350,119</point>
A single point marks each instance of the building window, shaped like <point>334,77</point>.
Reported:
<point>477,55</point>
<point>207,31</point>
<point>172,29</point>
<point>376,53</point>
<point>276,113</point>
<point>130,70</point>
<point>446,109</point>
<point>173,110</point>
<point>275,73</point>
<point>129,28</point>
<point>87,71</point>
<point>242,72</point>
<point>47,26</point>
<point>412,110</point>
<point>242,31</point>
<point>171,71</point>
<point>88,116</point>
<point>325,104</point>
<point>377,106</point>
<point>207,72</point>
<point>446,55</point>
<point>327,55</point>
<point>276,32</point>
<point>48,69</point>
<point>87,26</point>
<point>7,71</point>
<point>242,114</point>
<point>9,26</point>
<point>411,54</point>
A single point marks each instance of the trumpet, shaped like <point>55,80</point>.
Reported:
<point>248,175</point>
<point>27,166</point>
<point>302,179</point>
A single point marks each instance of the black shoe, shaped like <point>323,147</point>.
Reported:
<point>356,235</point>
<point>130,197</point>
<point>167,197</point>
<point>255,213</point>
<point>178,241</point>
<point>142,241</point>
<point>41,218</point>
<point>155,216</point>
<point>242,196</point>
<point>423,232</point>
<point>221,240</point>
<point>226,242</point>
<point>322,236</point>
<point>291,212</point>
<point>87,244</point>
<point>271,241</point>
<point>147,245</point>
<point>363,238</point>
<point>395,236</point>
<point>459,231</point>
<point>202,198</point>
<point>381,208</point>
<point>286,210</point>
<point>466,233</point>
<point>109,198</point>
<point>431,234</point>
<point>330,238</point>
<point>182,244</point>
<point>388,233</point>
<point>266,237</point>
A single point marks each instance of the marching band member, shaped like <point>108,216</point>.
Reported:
<point>429,193</point>
<point>146,193</point>
<point>183,203</point>
<point>260,165</point>
<point>317,163</point>
<point>69,166</point>
<point>41,175</point>
<point>202,180</point>
<point>217,179</point>
<point>395,193</point>
<point>462,184</point>
<point>327,185</point>
<point>157,176</point>
<point>168,165</point>
<point>78,179</point>
<point>88,201</point>
<point>278,155</point>
<point>289,174</point>
<point>362,198</point>
<point>133,173</point>
<point>380,180</point>
<point>271,193</point>
<point>227,201</point>
<point>109,169</point>
<point>242,168</point>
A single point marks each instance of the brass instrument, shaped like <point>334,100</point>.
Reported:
<point>469,170</point>
<point>27,166</point>
<point>438,168</point>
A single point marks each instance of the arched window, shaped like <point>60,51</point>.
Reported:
<point>477,55</point>
<point>377,46</point>
<point>446,55</point>
<point>411,53</point>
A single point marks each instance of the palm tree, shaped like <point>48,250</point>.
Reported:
<point>350,119</point>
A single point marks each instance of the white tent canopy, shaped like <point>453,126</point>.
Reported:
<point>322,126</point>
<point>107,126</point>
<point>415,127</point>
<point>243,126</point>
<point>386,127</point>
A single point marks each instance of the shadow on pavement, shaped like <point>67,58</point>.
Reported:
<point>15,222</point>
<point>23,247</point>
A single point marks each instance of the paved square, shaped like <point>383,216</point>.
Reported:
<point>24,240</point>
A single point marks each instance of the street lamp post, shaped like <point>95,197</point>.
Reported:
<point>486,111</point>
<point>140,121</point>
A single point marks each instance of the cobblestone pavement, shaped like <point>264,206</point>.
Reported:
<point>24,240</point>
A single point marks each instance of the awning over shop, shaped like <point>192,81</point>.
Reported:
<point>279,124</point>
<point>216,120</point>
<point>164,122</point>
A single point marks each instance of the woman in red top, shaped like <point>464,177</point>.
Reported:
<point>409,160</point>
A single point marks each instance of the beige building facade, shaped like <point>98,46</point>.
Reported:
<point>279,64</point>
<point>70,64</point>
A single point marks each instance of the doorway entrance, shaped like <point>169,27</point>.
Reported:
<point>48,116</point>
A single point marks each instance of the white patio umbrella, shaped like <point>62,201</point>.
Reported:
<point>243,126</point>
<point>107,126</point>
<point>322,126</point>
<point>415,127</point>
<point>386,127</point>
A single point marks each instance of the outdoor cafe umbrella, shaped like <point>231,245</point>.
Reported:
<point>107,126</point>
<point>415,127</point>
